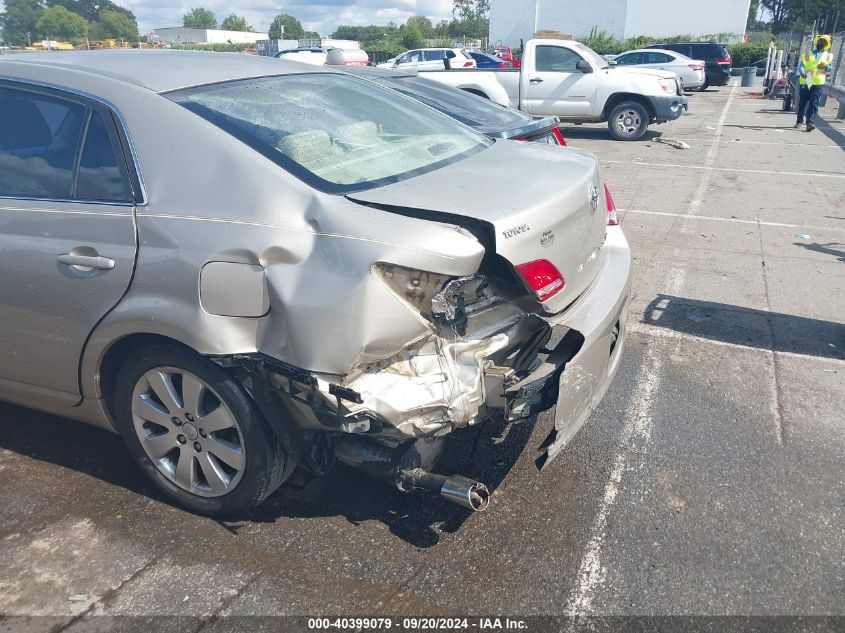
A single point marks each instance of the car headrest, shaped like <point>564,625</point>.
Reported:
<point>22,125</point>
<point>306,147</point>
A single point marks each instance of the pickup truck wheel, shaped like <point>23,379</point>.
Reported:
<point>628,121</point>
<point>195,432</point>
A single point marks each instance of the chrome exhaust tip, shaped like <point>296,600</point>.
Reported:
<point>466,492</point>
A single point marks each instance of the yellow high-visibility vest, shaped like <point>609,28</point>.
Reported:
<point>816,76</point>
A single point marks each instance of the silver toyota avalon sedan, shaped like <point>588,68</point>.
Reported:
<point>244,265</point>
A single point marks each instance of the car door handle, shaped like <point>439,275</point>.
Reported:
<point>95,262</point>
<point>535,80</point>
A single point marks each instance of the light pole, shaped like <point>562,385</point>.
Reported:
<point>536,16</point>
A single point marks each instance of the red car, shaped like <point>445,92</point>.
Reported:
<point>505,53</point>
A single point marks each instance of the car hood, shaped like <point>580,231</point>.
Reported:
<point>551,206</point>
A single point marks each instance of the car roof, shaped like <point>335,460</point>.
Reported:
<point>160,70</point>
<point>651,50</point>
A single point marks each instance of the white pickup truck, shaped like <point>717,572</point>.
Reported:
<point>566,79</point>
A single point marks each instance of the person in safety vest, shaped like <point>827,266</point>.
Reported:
<point>812,73</point>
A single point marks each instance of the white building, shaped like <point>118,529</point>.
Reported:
<point>185,35</point>
<point>511,20</point>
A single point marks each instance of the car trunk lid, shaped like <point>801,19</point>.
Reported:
<point>550,207</point>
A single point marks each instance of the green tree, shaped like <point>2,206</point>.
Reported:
<point>18,19</point>
<point>235,22</point>
<point>199,18</point>
<point>60,24</point>
<point>423,24</point>
<point>115,24</point>
<point>285,26</point>
<point>311,35</point>
<point>412,37</point>
<point>471,9</point>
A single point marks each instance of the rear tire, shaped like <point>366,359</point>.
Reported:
<point>628,121</point>
<point>195,432</point>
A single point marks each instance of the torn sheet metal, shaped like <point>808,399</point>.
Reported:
<point>429,389</point>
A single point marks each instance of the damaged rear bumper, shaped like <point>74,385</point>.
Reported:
<point>578,371</point>
<point>493,356</point>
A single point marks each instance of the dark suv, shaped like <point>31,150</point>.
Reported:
<point>717,61</point>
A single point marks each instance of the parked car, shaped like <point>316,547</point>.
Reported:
<point>483,115</point>
<point>244,264</point>
<point>315,55</point>
<point>569,80</point>
<point>506,54</point>
<point>689,71</point>
<point>431,58</point>
<point>717,60</point>
<point>483,60</point>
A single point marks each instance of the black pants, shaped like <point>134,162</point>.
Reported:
<point>808,102</point>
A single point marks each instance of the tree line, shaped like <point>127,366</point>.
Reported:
<point>26,21</point>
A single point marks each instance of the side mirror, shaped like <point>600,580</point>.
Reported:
<point>612,63</point>
<point>584,66</point>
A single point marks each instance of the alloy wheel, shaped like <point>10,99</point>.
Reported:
<point>628,122</point>
<point>188,432</point>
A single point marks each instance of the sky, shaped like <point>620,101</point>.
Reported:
<point>320,15</point>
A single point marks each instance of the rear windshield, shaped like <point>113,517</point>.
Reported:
<point>709,52</point>
<point>336,132</point>
<point>475,111</point>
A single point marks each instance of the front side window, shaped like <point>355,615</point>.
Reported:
<point>336,132</point>
<point>630,59</point>
<point>556,59</point>
<point>39,140</point>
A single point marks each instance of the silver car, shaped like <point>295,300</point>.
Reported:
<point>244,265</point>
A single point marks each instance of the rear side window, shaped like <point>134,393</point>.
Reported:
<point>101,172</point>
<point>431,56</point>
<point>556,59</point>
<point>39,140</point>
<point>656,58</point>
<point>43,153</point>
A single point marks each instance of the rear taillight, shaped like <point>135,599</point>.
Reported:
<point>725,60</point>
<point>612,218</point>
<point>542,277</point>
<point>557,134</point>
<point>696,66</point>
<point>502,66</point>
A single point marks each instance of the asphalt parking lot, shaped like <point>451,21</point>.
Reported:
<point>709,481</point>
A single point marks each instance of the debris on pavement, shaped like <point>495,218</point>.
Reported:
<point>672,142</point>
<point>802,236</point>
<point>78,597</point>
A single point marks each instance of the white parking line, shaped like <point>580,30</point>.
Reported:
<point>636,434</point>
<point>713,218</point>
<point>656,331</point>
<point>802,174</point>
<point>782,144</point>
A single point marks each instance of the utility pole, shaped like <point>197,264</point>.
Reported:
<point>536,16</point>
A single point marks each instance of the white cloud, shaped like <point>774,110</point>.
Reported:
<point>322,16</point>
